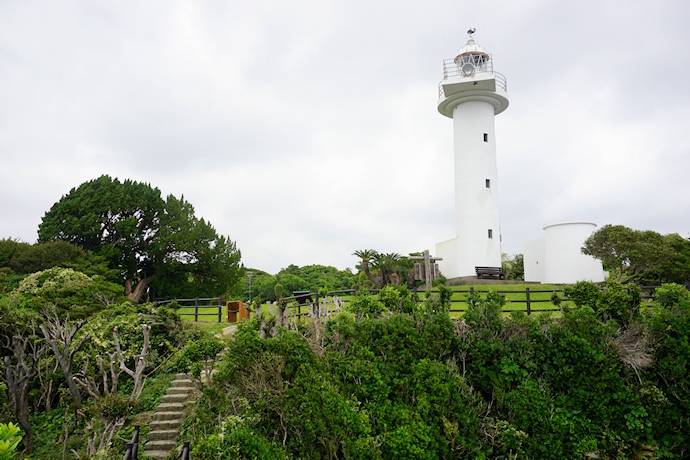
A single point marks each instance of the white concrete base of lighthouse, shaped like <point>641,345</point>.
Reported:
<point>461,256</point>
<point>450,266</point>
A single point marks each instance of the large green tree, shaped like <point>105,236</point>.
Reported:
<point>627,253</point>
<point>145,237</point>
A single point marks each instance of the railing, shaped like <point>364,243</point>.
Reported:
<point>299,302</point>
<point>205,303</point>
<point>132,452</point>
<point>531,303</point>
<point>452,70</point>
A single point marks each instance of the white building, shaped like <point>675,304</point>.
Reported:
<point>471,93</point>
<point>557,258</point>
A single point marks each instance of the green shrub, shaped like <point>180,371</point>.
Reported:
<point>365,305</point>
<point>583,293</point>
<point>672,296</point>
<point>10,437</point>
<point>397,299</point>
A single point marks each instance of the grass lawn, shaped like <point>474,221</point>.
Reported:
<point>514,293</point>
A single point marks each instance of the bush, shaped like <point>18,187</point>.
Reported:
<point>672,296</point>
<point>365,305</point>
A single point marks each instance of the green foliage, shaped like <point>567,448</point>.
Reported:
<point>10,437</point>
<point>22,258</point>
<point>436,304</point>
<point>141,235</point>
<point>669,333</point>
<point>68,290</point>
<point>628,253</point>
<point>396,299</point>
<point>401,380</point>
<point>676,267</point>
<point>484,314</point>
<point>113,406</point>
<point>513,266</point>
<point>365,305</point>
<point>613,301</point>
<point>312,278</point>
<point>278,290</point>
<point>382,269</point>
<point>200,347</point>
<point>583,293</point>
<point>672,296</point>
<point>239,443</point>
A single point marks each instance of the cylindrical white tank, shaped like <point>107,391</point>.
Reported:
<point>564,261</point>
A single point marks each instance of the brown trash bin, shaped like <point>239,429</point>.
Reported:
<point>236,311</point>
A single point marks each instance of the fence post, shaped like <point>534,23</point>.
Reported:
<point>316,296</point>
<point>529,307</point>
<point>220,309</point>
<point>196,309</point>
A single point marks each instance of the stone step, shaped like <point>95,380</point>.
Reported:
<point>163,425</point>
<point>164,446</point>
<point>163,435</point>
<point>178,390</point>
<point>170,407</point>
<point>157,454</point>
<point>182,383</point>
<point>183,376</point>
<point>173,415</point>
<point>175,398</point>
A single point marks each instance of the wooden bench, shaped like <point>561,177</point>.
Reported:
<point>490,271</point>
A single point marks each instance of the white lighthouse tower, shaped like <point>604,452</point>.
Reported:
<point>471,93</point>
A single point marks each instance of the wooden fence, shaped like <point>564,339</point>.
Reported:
<point>204,303</point>
<point>298,304</point>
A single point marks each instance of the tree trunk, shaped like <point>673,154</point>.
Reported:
<point>379,279</point>
<point>17,377</point>
<point>410,280</point>
<point>365,267</point>
<point>136,293</point>
<point>56,333</point>
<point>22,414</point>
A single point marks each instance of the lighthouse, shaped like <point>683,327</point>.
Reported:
<point>472,94</point>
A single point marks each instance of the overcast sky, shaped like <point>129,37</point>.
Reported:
<point>306,130</point>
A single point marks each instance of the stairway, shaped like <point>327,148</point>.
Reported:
<point>169,415</point>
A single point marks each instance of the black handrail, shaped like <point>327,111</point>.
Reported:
<point>132,452</point>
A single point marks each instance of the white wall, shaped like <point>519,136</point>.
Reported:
<point>565,262</point>
<point>476,206</point>
<point>450,251</point>
<point>556,258</point>
<point>534,260</point>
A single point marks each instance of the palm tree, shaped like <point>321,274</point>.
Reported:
<point>366,256</point>
<point>386,264</point>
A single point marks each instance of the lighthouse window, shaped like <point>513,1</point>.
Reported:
<point>488,183</point>
<point>486,137</point>
<point>491,233</point>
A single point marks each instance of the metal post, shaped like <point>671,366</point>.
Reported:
<point>135,441</point>
<point>128,452</point>
<point>185,451</point>
<point>196,309</point>
<point>529,307</point>
<point>220,309</point>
